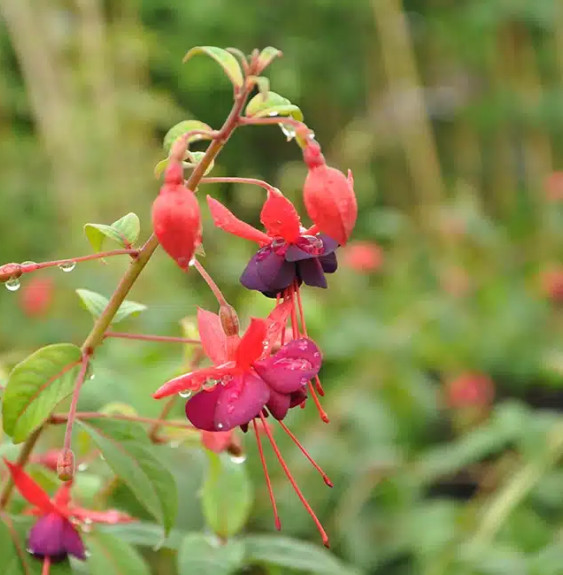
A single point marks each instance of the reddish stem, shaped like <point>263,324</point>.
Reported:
<point>267,476</point>
<point>306,454</point>
<point>62,417</point>
<point>250,181</point>
<point>74,402</point>
<point>212,285</point>
<point>34,267</point>
<point>159,338</point>
<point>293,482</point>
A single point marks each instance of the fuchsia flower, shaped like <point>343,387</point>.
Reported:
<point>288,252</point>
<point>55,534</point>
<point>247,384</point>
<point>246,378</point>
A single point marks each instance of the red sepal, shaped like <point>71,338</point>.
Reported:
<point>213,338</point>
<point>276,321</point>
<point>227,221</point>
<point>280,218</point>
<point>251,344</point>
<point>192,381</point>
<point>30,489</point>
<point>111,517</point>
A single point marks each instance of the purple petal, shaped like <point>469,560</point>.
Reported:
<point>329,263</point>
<point>54,536</point>
<point>311,272</point>
<point>200,409</point>
<point>240,401</point>
<point>278,405</point>
<point>291,367</point>
<point>297,397</point>
<point>329,244</point>
<point>268,271</point>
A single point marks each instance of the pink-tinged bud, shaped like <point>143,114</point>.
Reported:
<point>363,257</point>
<point>65,465</point>
<point>10,271</point>
<point>470,390</point>
<point>229,320</point>
<point>36,296</point>
<point>329,196</point>
<point>176,218</point>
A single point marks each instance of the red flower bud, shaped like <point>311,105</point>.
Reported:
<point>176,217</point>
<point>329,196</point>
<point>470,389</point>
<point>363,257</point>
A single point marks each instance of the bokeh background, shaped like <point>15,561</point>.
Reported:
<point>442,328</point>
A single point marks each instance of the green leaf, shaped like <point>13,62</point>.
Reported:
<point>226,495</point>
<point>227,61</point>
<point>195,158</point>
<point>96,304</point>
<point>36,385</point>
<point>145,534</point>
<point>293,554</point>
<point>124,231</point>
<point>203,555</point>
<point>182,128</point>
<point>112,556</point>
<point>14,558</point>
<point>267,55</point>
<point>160,167</point>
<point>272,105</point>
<point>130,454</point>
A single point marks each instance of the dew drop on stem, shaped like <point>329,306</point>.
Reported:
<point>238,458</point>
<point>13,284</point>
<point>67,266</point>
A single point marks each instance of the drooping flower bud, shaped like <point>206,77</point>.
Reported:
<point>36,296</point>
<point>329,196</point>
<point>175,212</point>
<point>66,465</point>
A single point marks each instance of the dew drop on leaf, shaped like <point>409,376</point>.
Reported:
<point>67,266</point>
<point>238,458</point>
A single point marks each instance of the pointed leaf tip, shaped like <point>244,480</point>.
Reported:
<point>226,60</point>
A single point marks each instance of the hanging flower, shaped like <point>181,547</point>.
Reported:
<point>55,535</point>
<point>288,252</point>
<point>245,379</point>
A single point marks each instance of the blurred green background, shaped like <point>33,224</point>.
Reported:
<point>450,114</point>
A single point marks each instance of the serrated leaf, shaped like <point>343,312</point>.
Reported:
<point>267,55</point>
<point>130,454</point>
<point>182,128</point>
<point>36,385</point>
<point>204,555</point>
<point>226,495</point>
<point>124,231</point>
<point>273,105</point>
<point>226,60</point>
<point>293,554</point>
<point>14,557</point>
<point>96,303</point>
<point>112,556</point>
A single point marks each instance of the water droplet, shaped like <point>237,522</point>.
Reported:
<point>316,355</point>
<point>185,394</point>
<point>28,263</point>
<point>191,263</point>
<point>67,266</point>
<point>304,381</point>
<point>210,383</point>
<point>288,131</point>
<point>13,284</point>
<point>174,444</point>
<point>273,114</point>
<point>92,376</point>
<point>87,521</point>
<point>238,458</point>
<point>303,345</point>
<point>230,408</point>
<point>220,426</point>
<point>82,466</point>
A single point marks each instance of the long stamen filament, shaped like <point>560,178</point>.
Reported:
<point>46,565</point>
<point>306,454</point>
<point>293,483</point>
<point>267,476</point>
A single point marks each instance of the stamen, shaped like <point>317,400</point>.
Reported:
<point>306,454</point>
<point>294,324</point>
<point>294,484</point>
<point>318,405</point>
<point>266,474</point>
<point>46,565</point>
